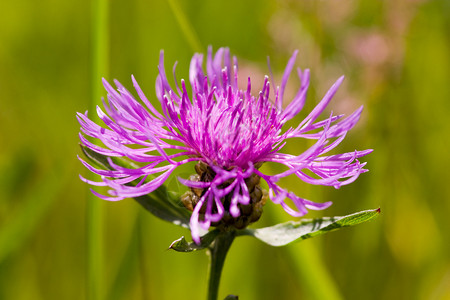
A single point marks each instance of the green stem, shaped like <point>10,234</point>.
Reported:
<point>218,252</point>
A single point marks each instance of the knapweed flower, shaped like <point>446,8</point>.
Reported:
<point>229,132</point>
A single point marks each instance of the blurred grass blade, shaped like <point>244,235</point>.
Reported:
<point>313,275</point>
<point>36,203</point>
<point>126,273</point>
<point>185,26</point>
<point>286,233</point>
<point>161,203</point>
<point>181,245</point>
<point>94,213</point>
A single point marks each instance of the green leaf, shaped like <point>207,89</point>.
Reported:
<point>181,245</point>
<point>286,233</point>
<point>161,203</point>
<point>231,297</point>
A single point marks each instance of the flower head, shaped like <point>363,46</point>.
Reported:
<point>229,132</point>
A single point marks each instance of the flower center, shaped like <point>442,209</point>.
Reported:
<point>248,213</point>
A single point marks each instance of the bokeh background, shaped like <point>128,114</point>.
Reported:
<point>396,58</point>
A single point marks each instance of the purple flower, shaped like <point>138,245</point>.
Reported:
<point>232,132</point>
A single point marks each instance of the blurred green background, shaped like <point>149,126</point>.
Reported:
<point>396,58</point>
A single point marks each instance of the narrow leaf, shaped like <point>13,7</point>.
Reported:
<point>161,203</point>
<point>286,233</point>
<point>181,245</point>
